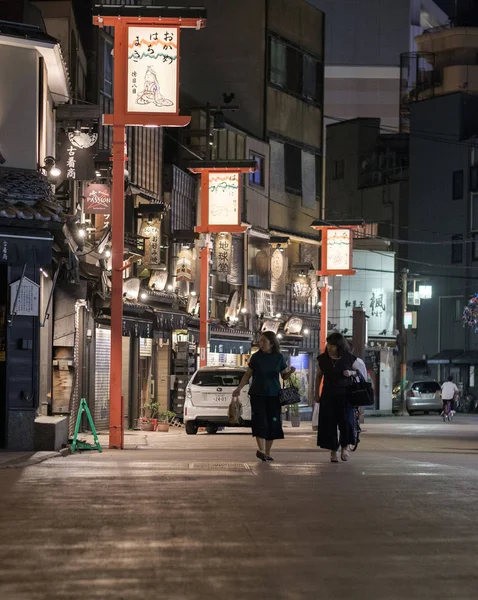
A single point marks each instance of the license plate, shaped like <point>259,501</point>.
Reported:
<point>220,398</point>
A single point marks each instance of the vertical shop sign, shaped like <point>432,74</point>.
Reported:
<point>153,67</point>
<point>152,233</point>
<point>77,150</point>
<point>223,248</point>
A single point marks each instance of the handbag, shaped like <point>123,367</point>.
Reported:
<point>315,417</point>
<point>361,392</point>
<point>289,395</point>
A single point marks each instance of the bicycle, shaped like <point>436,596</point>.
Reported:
<point>357,429</point>
<point>447,413</point>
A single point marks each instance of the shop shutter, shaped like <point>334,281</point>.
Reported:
<point>102,379</point>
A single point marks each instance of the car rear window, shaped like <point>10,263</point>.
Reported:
<point>216,378</point>
<point>427,387</point>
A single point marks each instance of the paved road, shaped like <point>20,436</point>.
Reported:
<point>196,518</point>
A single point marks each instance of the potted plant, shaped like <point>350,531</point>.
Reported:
<point>294,415</point>
<point>149,412</point>
<point>163,419</point>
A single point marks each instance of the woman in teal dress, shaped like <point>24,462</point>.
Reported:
<point>265,367</point>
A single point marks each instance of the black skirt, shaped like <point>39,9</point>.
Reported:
<point>266,417</point>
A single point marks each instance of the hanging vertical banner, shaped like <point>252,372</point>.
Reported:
<point>224,198</point>
<point>278,272</point>
<point>153,70</point>
<point>97,199</point>
<point>236,268</point>
<point>152,233</point>
<point>223,249</point>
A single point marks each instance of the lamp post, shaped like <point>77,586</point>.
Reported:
<point>221,195</point>
<point>146,53</point>
<point>336,259</point>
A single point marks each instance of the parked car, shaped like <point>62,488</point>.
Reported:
<point>208,396</point>
<point>422,395</point>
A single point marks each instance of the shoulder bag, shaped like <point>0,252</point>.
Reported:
<point>361,391</point>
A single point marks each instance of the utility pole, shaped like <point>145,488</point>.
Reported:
<point>403,348</point>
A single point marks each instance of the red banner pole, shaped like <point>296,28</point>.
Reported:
<point>117,244</point>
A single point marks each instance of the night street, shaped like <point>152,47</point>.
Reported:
<point>198,517</point>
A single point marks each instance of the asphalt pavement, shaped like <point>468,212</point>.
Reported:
<point>199,517</point>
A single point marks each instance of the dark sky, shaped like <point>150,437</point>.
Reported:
<point>447,5</point>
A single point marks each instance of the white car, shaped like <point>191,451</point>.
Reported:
<point>208,396</point>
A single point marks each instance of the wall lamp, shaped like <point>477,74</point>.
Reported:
<point>51,168</point>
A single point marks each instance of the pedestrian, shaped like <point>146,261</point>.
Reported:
<point>336,367</point>
<point>449,391</point>
<point>264,367</point>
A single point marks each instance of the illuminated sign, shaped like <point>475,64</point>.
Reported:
<point>223,198</point>
<point>425,292</point>
<point>153,68</point>
<point>339,250</point>
<point>97,199</point>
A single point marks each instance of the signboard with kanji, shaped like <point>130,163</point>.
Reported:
<point>25,298</point>
<point>223,198</point>
<point>153,67</point>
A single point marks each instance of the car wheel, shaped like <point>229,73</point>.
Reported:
<point>191,427</point>
<point>410,412</point>
<point>212,429</point>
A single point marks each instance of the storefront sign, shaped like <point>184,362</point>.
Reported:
<point>77,150</point>
<point>223,198</point>
<point>234,305</point>
<point>223,250</point>
<point>302,289</point>
<point>24,298</point>
<point>371,288</point>
<point>153,67</point>
<point>152,233</point>
<point>293,326</point>
<point>271,326</point>
<point>158,280</point>
<point>184,266</point>
<point>131,289</point>
<point>339,250</point>
<point>97,199</point>
<point>278,272</point>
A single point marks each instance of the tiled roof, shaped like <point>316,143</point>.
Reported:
<point>26,194</point>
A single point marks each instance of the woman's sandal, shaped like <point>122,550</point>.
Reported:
<point>261,456</point>
<point>269,457</point>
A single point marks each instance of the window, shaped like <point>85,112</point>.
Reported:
<point>474,247</point>
<point>277,71</point>
<point>257,178</point>
<point>474,212</point>
<point>339,169</point>
<point>458,185</point>
<point>473,179</point>
<point>293,169</point>
<point>294,70</point>
<point>218,378</point>
<point>318,177</point>
<point>457,249</point>
<point>298,73</point>
<point>108,68</point>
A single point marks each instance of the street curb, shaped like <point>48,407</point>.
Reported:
<point>34,460</point>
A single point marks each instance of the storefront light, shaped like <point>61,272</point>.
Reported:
<point>108,253</point>
<point>143,296</point>
<point>278,315</point>
<point>193,293</point>
<point>170,288</point>
<point>244,310</point>
<point>306,331</point>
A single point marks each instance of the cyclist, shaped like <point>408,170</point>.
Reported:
<point>448,392</point>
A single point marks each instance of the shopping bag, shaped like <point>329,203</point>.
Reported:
<point>315,416</point>
<point>234,413</point>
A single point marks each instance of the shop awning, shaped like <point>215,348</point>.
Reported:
<point>444,357</point>
<point>467,358</point>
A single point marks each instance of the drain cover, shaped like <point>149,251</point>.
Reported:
<point>219,466</point>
